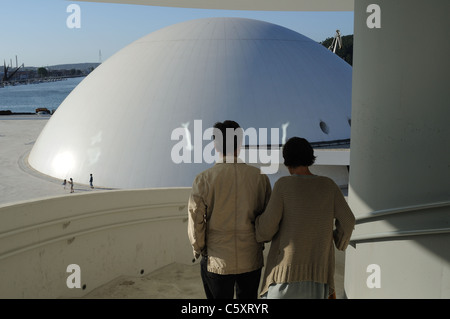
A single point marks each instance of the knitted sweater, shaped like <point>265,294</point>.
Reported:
<point>299,220</point>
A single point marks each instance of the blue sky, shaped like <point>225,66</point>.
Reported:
<point>36,30</point>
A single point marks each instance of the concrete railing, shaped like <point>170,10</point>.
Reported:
<point>416,220</point>
<point>107,234</point>
<point>400,253</point>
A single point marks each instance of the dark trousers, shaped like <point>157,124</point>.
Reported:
<point>222,286</point>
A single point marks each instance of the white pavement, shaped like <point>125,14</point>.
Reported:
<point>20,182</point>
<point>177,281</point>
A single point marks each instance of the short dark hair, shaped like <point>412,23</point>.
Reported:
<point>233,136</point>
<point>298,152</point>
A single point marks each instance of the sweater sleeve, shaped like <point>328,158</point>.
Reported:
<point>344,221</point>
<point>267,224</point>
<point>267,192</point>
<point>196,217</point>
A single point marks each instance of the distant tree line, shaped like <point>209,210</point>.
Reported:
<point>346,52</point>
<point>44,72</point>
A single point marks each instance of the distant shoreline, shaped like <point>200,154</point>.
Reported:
<point>15,113</point>
<point>9,112</point>
<point>38,80</point>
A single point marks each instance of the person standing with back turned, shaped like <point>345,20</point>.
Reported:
<point>299,220</point>
<point>224,202</point>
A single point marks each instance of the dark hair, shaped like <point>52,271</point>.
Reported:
<point>233,136</point>
<point>298,152</point>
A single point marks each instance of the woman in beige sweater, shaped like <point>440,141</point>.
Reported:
<point>306,214</point>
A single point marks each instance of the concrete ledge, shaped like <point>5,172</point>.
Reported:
<point>108,234</point>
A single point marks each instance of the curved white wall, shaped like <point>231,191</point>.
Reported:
<point>108,234</point>
<point>279,5</point>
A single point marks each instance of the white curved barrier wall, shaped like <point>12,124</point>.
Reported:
<point>280,5</point>
<point>108,234</point>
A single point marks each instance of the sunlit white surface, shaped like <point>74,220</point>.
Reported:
<point>281,5</point>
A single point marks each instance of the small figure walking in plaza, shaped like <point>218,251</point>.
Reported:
<point>64,183</point>
<point>91,181</point>
<point>71,185</point>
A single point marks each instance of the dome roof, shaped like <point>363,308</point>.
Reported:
<point>118,123</point>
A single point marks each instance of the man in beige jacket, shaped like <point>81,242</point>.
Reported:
<point>224,203</point>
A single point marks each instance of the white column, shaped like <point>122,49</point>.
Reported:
<point>400,149</point>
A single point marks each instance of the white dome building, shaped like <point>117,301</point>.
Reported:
<point>120,123</point>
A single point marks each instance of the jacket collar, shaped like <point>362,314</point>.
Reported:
<point>229,160</point>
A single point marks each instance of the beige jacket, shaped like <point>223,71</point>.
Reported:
<point>224,203</point>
